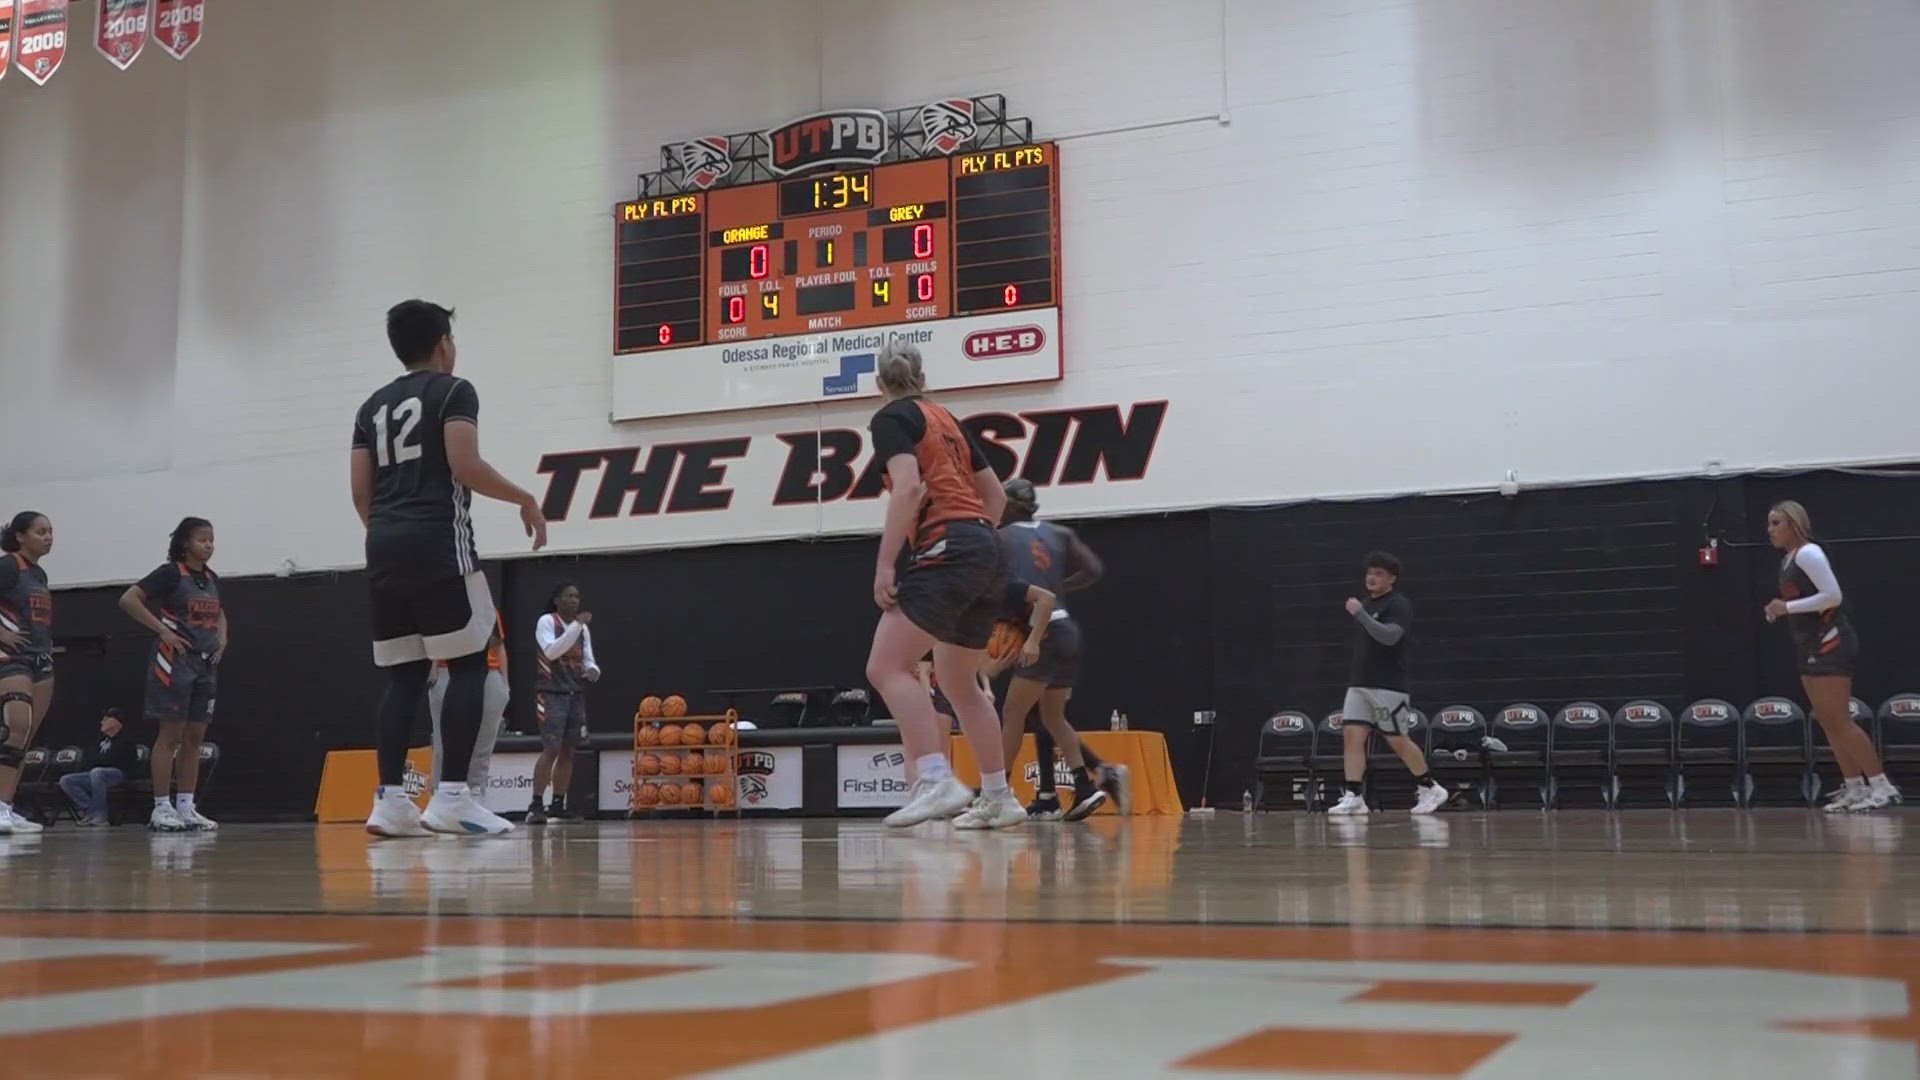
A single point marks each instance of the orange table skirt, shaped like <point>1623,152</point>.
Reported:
<point>1144,753</point>
<point>349,777</point>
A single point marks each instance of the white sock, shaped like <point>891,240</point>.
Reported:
<point>184,801</point>
<point>993,783</point>
<point>162,801</point>
<point>5,808</point>
<point>933,767</point>
<point>452,789</point>
<point>1879,781</point>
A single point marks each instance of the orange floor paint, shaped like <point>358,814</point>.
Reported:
<point>1494,947</point>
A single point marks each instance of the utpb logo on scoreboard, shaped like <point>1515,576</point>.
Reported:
<point>772,263</point>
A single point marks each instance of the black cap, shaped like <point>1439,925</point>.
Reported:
<point>1020,490</point>
<point>114,712</point>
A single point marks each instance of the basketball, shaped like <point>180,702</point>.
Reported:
<point>693,735</point>
<point>669,794</point>
<point>720,734</point>
<point>1008,639</point>
<point>720,794</point>
<point>649,735</point>
<point>649,764</point>
<point>649,707</point>
<point>669,734</point>
<point>648,795</point>
<point>716,763</point>
<point>690,792</point>
<point>674,706</point>
<point>670,764</point>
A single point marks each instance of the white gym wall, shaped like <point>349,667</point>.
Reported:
<point>1361,248</point>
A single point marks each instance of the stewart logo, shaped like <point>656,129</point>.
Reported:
<point>849,137</point>
<point>1015,341</point>
<point>705,161</point>
<point>948,124</point>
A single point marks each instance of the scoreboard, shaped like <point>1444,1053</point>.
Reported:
<point>782,291</point>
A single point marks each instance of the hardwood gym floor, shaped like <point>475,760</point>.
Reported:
<point>1512,945</point>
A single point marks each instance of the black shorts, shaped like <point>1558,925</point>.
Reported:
<point>439,619</point>
<point>1059,665</point>
<point>951,587</point>
<point>37,666</point>
<point>557,713</point>
<point>1834,654</point>
<point>180,686</point>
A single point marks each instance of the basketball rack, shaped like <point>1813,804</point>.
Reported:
<point>681,774</point>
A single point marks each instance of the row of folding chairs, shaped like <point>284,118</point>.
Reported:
<point>39,795</point>
<point>1711,754</point>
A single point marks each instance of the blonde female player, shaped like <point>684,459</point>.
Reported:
<point>1826,649</point>
<point>937,582</point>
<point>26,652</point>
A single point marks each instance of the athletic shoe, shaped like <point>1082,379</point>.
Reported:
<point>94,822</point>
<point>1117,782</point>
<point>1432,797</point>
<point>461,814</point>
<point>165,820</point>
<point>395,816</point>
<point>563,813</point>
<point>17,824</point>
<point>1350,805</point>
<point>536,815</point>
<point>1044,809</point>
<point>1843,801</point>
<point>1085,805</point>
<point>195,821</point>
<point>997,811</point>
<point>1877,798</point>
<point>931,799</point>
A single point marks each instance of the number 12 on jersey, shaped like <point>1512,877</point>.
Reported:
<point>400,448</point>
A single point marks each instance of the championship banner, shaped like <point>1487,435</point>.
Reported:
<point>177,25</point>
<point>121,33</point>
<point>42,45</point>
<point>6,36</point>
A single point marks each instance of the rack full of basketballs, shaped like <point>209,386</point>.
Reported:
<point>683,762</point>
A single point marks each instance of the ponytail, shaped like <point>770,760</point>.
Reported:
<point>10,533</point>
<point>183,532</point>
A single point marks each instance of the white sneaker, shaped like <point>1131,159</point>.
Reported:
<point>395,816</point>
<point>195,821</point>
<point>165,820</point>
<point>13,824</point>
<point>1432,797</point>
<point>1877,797</point>
<point>1843,800</point>
<point>998,811</point>
<point>462,815</point>
<point>932,799</point>
<point>1350,805</point>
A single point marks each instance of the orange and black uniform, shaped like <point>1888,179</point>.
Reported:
<point>26,608</point>
<point>953,568</point>
<point>182,685</point>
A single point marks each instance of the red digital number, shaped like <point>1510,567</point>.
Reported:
<point>923,241</point>
<point>923,287</point>
<point>757,261</point>
<point>1012,295</point>
<point>666,334</point>
<point>736,309</point>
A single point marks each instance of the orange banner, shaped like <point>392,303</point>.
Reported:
<point>349,777</point>
<point>1144,753</point>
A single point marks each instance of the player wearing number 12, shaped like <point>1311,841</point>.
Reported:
<point>416,464</point>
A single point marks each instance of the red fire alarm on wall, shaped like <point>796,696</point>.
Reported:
<point>1710,554</point>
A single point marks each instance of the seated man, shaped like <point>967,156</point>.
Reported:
<point>108,763</point>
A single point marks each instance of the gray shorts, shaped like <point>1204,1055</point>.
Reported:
<point>1385,711</point>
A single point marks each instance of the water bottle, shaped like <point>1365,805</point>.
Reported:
<point>1246,801</point>
<point>1125,723</point>
<point>1114,723</point>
